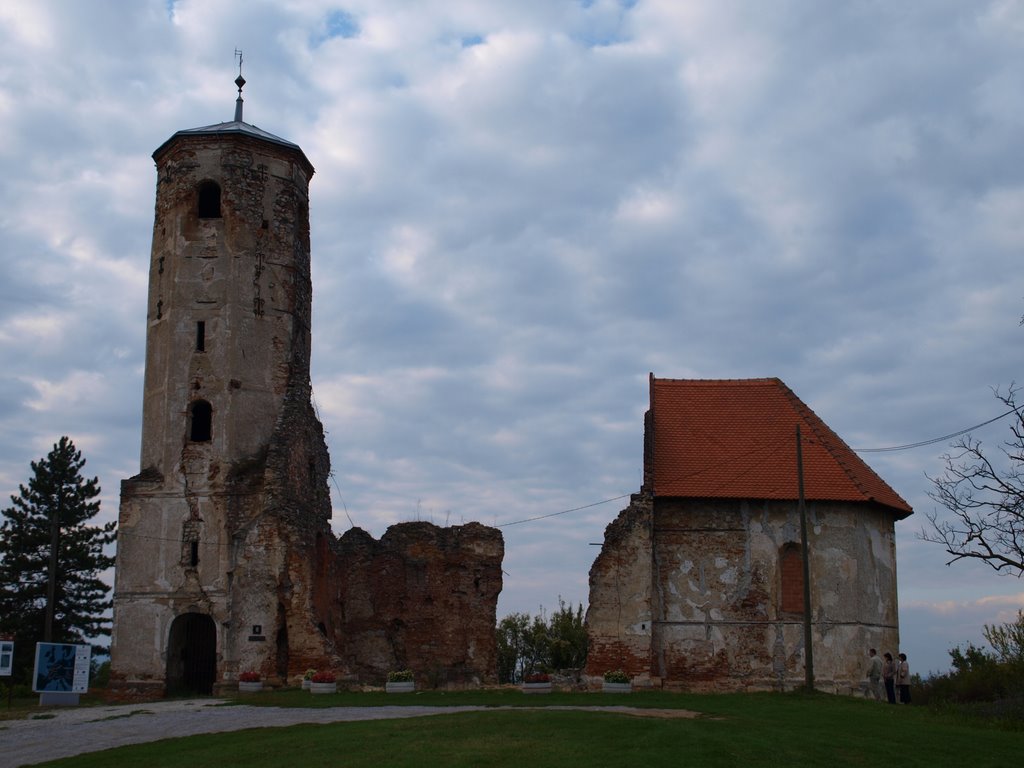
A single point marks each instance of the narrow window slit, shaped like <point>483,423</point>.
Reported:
<point>202,422</point>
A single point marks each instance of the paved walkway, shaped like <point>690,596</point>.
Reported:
<point>73,731</point>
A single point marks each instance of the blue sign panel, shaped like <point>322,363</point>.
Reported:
<point>62,668</point>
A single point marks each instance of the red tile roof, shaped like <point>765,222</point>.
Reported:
<point>737,439</point>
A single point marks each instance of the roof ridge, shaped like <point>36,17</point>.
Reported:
<point>755,380</point>
<point>829,439</point>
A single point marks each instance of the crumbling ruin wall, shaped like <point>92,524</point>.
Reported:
<point>717,594</point>
<point>422,598</point>
<point>620,613</point>
<point>280,555</point>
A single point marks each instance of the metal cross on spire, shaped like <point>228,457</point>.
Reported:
<point>240,82</point>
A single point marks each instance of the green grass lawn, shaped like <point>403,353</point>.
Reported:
<point>733,730</point>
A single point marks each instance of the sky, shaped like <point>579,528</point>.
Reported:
<point>519,211</point>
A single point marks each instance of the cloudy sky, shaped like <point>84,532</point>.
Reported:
<point>520,210</point>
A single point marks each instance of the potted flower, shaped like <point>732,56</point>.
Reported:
<point>616,681</point>
<point>537,682</point>
<point>323,682</point>
<point>249,682</point>
<point>400,681</point>
<point>307,679</point>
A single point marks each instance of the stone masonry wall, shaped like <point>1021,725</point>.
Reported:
<point>422,598</point>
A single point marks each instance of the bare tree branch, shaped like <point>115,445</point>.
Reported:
<point>985,499</point>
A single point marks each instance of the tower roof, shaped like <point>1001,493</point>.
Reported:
<point>737,439</point>
<point>236,127</point>
<point>232,128</point>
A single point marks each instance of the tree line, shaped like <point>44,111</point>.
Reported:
<point>541,643</point>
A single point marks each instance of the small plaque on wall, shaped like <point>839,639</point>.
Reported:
<point>257,634</point>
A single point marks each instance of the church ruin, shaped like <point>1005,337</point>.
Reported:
<point>226,561</point>
<point>699,584</point>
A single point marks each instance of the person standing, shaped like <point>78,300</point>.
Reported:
<point>875,674</point>
<point>903,679</point>
<point>889,677</point>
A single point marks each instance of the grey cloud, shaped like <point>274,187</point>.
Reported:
<point>508,237</point>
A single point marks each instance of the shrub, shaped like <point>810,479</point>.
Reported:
<point>400,676</point>
<point>616,676</point>
<point>309,674</point>
<point>249,677</point>
<point>537,677</point>
<point>324,677</point>
<point>982,684</point>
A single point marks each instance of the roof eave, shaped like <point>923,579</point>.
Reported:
<point>899,513</point>
<point>234,128</point>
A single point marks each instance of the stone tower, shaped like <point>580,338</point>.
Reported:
<point>223,530</point>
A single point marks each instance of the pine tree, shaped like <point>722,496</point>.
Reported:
<point>54,508</point>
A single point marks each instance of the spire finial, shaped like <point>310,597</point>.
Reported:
<point>239,81</point>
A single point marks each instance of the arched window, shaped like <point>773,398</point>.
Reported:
<point>209,200</point>
<point>791,568</point>
<point>202,422</point>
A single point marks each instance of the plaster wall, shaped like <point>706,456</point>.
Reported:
<point>246,276</point>
<point>716,588</point>
<point>620,614</point>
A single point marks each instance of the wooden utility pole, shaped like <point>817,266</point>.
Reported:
<point>808,651</point>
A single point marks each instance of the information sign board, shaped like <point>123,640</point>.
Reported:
<point>62,668</point>
<point>6,657</point>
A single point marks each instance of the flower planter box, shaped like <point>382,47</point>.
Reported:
<point>401,686</point>
<point>255,687</point>
<point>323,687</point>
<point>607,687</point>
<point>537,687</point>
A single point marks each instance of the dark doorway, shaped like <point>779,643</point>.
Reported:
<point>191,655</point>
<point>282,642</point>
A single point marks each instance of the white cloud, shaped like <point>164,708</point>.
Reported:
<point>520,209</point>
<point>987,604</point>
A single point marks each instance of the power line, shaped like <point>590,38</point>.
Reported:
<point>934,440</point>
<point>758,448</point>
<point>773,445</point>
<point>564,511</point>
